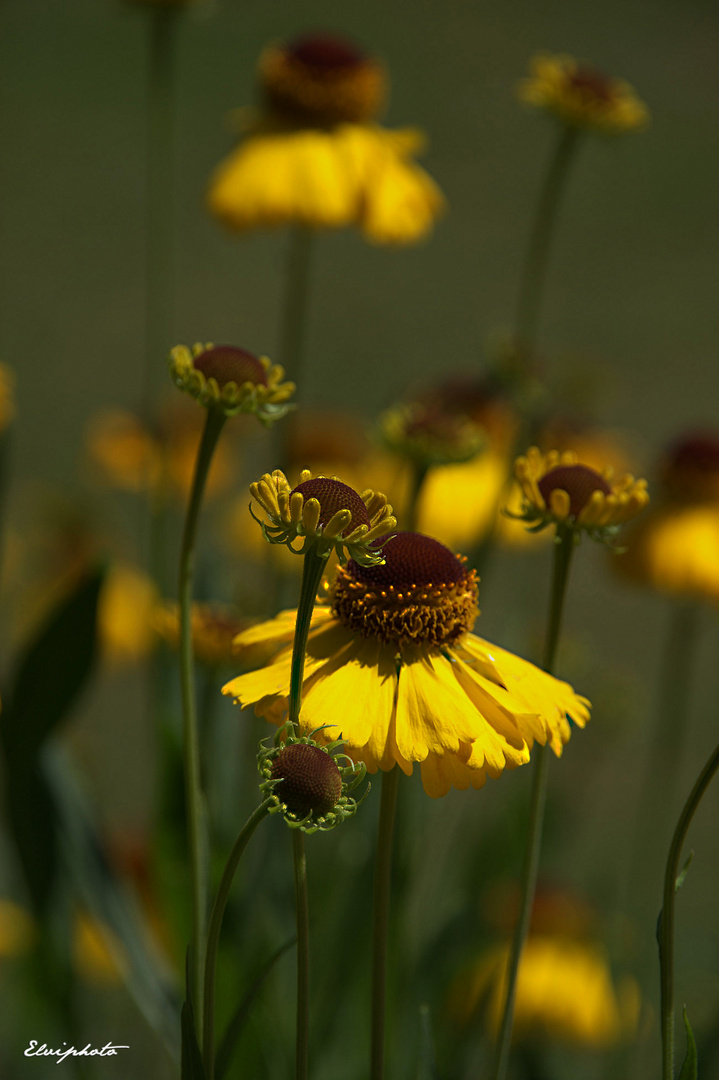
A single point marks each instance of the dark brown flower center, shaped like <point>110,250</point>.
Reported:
<point>592,84</point>
<point>411,559</point>
<point>326,53</point>
<point>309,778</point>
<point>227,363</point>
<point>422,595</point>
<point>333,495</point>
<point>579,481</point>
<point>691,470</point>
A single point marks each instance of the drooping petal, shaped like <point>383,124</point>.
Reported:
<point>433,715</point>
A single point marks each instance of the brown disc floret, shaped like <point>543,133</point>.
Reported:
<point>579,481</point>
<point>309,779</point>
<point>422,594</point>
<point>333,495</point>
<point>229,364</point>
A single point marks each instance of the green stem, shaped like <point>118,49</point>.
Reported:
<point>190,742</point>
<point>382,886</point>
<point>563,551</point>
<point>160,196</point>
<point>312,570</point>
<point>420,472</point>
<point>295,303</point>
<point>215,927</point>
<point>666,924</point>
<point>534,272</point>
<point>303,956</point>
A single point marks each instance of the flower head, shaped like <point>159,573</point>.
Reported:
<point>675,547</point>
<point>309,784</point>
<point>430,436</point>
<point>325,515</point>
<point>232,379</point>
<point>558,490</point>
<point>214,627</point>
<point>583,97</point>
<point>393,669</point>
<point>321,80</point>
<point>564,990</point>
<point>314,157</point>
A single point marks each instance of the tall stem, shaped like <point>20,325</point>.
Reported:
<point>160,196</point>
<point>215,927</point>
<point>666,924</point>
<point>312,570</point>
<point>190,741</point>
<point>303,956</point>
<point>534,271</point>
<point>294,310</point>
<point>382,885</point>
<point>564,548</point>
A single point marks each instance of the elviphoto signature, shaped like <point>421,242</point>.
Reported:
<point>43,1050</point>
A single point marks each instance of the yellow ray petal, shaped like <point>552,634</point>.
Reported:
<point>433,714</point>
<point>440,772</point>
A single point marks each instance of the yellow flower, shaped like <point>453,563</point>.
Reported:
<point>7,396</point>
<point>314,158</point>
<point>564,989</point>
<point>132,458</point>
<point>97,954</point>
<point>125,614</point>
<point>324,515</point>
<point>675,547</point>
<point>558,490</point>
<point>392,668</point>
<point>583,97</point>
<point>429,436</point>
<point>214,627</point>
<point>232,379</point>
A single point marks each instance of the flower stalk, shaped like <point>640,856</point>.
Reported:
<point>190,739</point>
<point>531,288</point>
<point>214,929</point>
<point>382,886</point>
<point>564,548</point>
<point>665,930</point>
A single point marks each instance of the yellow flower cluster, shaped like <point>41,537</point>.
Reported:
<point>583,97</point>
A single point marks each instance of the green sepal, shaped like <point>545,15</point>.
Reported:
<point>690,1066</point>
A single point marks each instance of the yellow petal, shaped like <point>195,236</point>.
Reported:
<point>433,714</point>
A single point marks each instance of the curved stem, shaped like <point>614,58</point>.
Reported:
<point>382,886</point>
<point>190,742</point>
<point>563,551</point>
<point>666,924</point>
<point>534,271</point>
<point>214,929</point>
<point>303,956</point>
<point>312,570</point>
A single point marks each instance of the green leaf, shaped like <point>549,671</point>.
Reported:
<point>32,817</point>
<point>52,671</point>
<point>191,1067</point>
<point>690,1068</point>
<point>236,1024</point>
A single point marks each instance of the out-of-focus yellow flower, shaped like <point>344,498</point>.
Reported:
<point>214,627</point>
<point>7,396</point>
<point>559,490</point>
<point>17,929</point>
<point>675,547</point>
<point>97,954</point>
<point>232,379</point>
<point>313,157</point>
<point>429,436</point>
<point>393,670</point>
<point>458,504</point>
<point>125,615</point>
<point>131,457</point>
<point>583,97</point>
<point>564,990</point>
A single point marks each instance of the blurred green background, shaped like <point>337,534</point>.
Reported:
<point>630,317</point>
